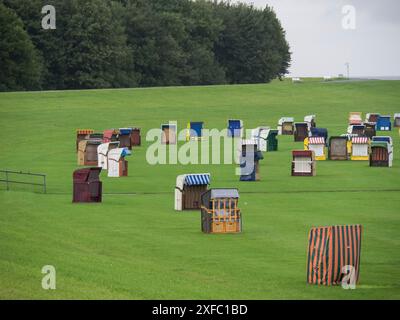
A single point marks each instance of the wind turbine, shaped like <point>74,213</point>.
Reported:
<point>348,69</point>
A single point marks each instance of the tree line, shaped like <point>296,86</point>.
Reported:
<point>138,43</point>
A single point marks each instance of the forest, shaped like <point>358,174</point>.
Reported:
<point>138,43</point>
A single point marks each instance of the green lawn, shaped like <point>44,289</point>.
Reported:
<point>135,246</point>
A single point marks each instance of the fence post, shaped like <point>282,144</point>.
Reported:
<point>7,180</point>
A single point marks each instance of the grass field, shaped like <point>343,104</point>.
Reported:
<point>135,246</point>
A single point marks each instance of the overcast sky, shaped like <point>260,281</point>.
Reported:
<point>321,46</point>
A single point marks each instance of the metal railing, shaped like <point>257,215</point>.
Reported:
<point>7,180</point>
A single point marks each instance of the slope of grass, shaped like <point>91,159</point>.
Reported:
<point>135,246</point>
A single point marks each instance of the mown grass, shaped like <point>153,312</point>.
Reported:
<point>135,246</point>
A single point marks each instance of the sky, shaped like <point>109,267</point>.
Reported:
<point>321,46</point>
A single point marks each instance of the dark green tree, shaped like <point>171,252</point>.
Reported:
<point>155,37</point>
<point>173,41</point>
<point>203,27</point>
<point>252,47</point>
<point>48,42</point>
<point>125,43</point>
<point>88,49</point>
<point>95,51</point>
<point>19,62</point>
